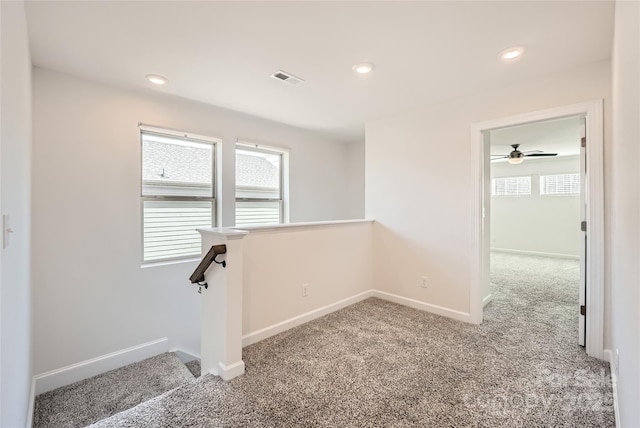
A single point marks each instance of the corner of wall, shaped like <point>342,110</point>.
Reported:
<point>15,201</point>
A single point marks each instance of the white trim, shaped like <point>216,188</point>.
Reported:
<point>32,403</point>
<point>229,372</point>
<point>487,299</point>
<point>423,306</point>
<point>225,233</point>
<point>85,369</point>
<point>257,336</point>
<point>595,231</point>
<point>242,143</point>
<point>477,268</point>
<point>616,406</point>
<point>595,213</point>
<point>168,262</point>
<point>608,356</point>
<point>151,129</point>
<point>302,226</point>
<point>536,253</point>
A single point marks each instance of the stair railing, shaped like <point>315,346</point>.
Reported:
<point>197,277</point>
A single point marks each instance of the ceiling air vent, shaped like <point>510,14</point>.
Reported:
<point>287,77</point>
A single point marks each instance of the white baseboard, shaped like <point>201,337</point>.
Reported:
<point>185,356</point>
<point>230,371</point>
<point>423,306</point>
<point>536,253</point>
<point>608,356</point>
<point>280,327</point>
<point>67,375</point>
<point>274,329</point>
<point>32,403</point>
<point>487,299</point>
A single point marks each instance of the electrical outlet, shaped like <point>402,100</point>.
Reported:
<point>424,283</point>
<point>305,290</point>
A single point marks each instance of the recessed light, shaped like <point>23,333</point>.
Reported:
<point>156,79</point>
<point>363,68</point>
<point>512,53</point>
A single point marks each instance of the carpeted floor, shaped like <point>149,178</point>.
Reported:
<point>88,401</point>
<point>378,364</point>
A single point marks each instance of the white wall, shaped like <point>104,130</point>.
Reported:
<point>537,223</point>
<point>355,164</point>
<point>91,296</point>
<point>625,209</point>
<point>418,186</point>
<point>15,157</point>
<point>335,261</point>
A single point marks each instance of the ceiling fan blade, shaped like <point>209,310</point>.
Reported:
<point>533,151</point>
<point>541,154</point>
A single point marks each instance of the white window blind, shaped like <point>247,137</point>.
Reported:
<point>170,228</point>
<point>511,186</point>
<point>257,212</point>
<point>560,184</point>
<point>177,195</point>
<point>259,193</point>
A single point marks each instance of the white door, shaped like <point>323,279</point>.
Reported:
<point>582,305</point>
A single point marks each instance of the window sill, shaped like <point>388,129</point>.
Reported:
<point>161,263</point>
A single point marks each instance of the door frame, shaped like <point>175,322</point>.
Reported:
<point>593,112</point>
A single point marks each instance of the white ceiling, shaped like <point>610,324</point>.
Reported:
<point>560,136</point>
<point>222,53</point>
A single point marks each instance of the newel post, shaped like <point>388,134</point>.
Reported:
<point>221,329</point>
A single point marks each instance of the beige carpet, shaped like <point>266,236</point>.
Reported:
<point>378,364</point>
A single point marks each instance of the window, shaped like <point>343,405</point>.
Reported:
<point>177,194</point>
<point>511,186</point>
<point>560,184</point>
<point>259,185</point>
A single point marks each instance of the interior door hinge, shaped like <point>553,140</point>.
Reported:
<point>583,226</point>
<point>583,310</point>
<point>583,142</point>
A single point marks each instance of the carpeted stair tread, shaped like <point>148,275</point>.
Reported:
<point>90,400</point>
<point>208,402</point>
<point>194,367</point>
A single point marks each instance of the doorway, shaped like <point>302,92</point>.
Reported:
<point>535,208</point>
<point>594,209</point>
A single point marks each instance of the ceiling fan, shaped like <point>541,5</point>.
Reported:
<point>516,156</point>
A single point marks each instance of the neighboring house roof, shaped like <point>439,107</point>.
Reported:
<point>255,171</point>
<point>174,163</point>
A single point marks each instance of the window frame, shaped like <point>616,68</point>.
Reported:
<point>282,177</point>
<point>183,136</point>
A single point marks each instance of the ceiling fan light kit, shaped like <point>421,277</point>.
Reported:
<point>517,157</point>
